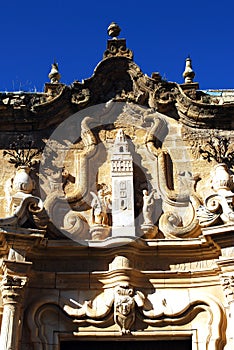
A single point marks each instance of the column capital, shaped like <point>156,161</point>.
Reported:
<point>14,280</point>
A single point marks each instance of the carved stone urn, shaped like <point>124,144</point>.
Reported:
<point>221,179</point>
<point>22,181</point>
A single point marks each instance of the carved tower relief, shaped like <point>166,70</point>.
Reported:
<point>123,221</point>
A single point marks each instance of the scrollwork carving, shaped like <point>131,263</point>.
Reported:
<point>171,225</point>
<point>124,299</point>
<point>117,47</point>
<point>221,203</point>
<point>81,97</point>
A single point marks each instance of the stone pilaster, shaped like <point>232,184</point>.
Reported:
<point>13,288</point>
<point>227,281</point>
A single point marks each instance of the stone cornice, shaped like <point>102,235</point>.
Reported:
<point>110,246</point>
<point>22,240</point>
<point>117,78</point>
<point>221,235</point>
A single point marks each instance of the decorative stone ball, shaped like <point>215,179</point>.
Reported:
<point>113,30</point>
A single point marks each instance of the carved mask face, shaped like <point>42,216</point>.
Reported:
<point>124,306</point>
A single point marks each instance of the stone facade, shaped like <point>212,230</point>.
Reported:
<point>117,217</point>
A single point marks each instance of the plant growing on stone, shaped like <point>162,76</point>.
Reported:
<point>21,152</point>
<point>218,148</point>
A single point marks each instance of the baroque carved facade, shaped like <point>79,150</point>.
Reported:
<point>117,211</point>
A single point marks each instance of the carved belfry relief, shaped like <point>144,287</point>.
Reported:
<point>122,188</point>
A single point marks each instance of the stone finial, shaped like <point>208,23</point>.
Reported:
<point>116,46</point>
<point>188,72</point>
<point>54,74</point>
<point>113,30</point>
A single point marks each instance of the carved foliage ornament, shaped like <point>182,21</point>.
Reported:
<point>118,48</point>
<point>218,148</point>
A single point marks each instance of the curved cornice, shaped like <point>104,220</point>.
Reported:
<point>197,114</point>
<point>115,78</point>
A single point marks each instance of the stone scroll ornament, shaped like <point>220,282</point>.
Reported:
<point>219,206</point>
<point>124,306</point>
<point>123,301</point>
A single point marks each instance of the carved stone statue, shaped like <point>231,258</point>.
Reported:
<point>148,228</point>
<point>124,308</point>
<point>100,207</point>
<point>148,206</point>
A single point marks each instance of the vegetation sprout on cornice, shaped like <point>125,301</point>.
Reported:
<point>21,152</point>
<point>220,149</point>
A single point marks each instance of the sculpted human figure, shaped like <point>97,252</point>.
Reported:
<point>100,205</point>
<point>124,308</point>
<point>148,206</point>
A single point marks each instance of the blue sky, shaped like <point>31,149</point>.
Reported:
<point>161,35</point>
